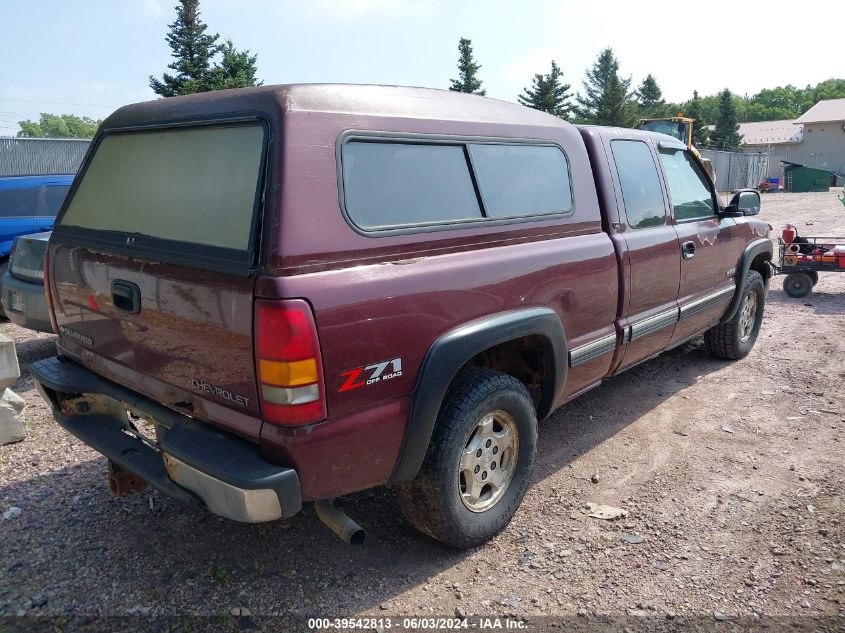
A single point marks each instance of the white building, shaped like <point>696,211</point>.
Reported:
<point>777,139</point>
<point>823,145</point>
<point>815,139</point>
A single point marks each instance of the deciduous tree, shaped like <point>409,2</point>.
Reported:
<point>59,126</point>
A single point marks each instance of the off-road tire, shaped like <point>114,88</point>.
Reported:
<point>432,502</point>
<point>798,285</point>
<point>725,340</point>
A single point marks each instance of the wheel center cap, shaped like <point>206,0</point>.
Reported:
<point>486,459</point>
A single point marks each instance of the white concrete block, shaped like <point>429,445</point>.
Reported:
<point>11,398</point>
<point>12,428</point>
<point>9,370</point>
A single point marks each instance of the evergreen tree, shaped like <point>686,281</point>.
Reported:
<point>700,133</point>
<point>650,98</point>
<point>468,68</point>
<point>607,98</point>
<point>237,69</point>
<point>548,93</point>
<point>726,135</point>
<point>193,50</point>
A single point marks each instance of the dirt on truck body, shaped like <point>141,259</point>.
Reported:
<point>316,290</point>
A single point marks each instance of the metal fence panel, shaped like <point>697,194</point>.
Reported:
<point>737,170</point>
<point>35,156</point>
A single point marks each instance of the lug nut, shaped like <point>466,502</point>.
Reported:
<point>489,442</point>
<point>484,475</point>
<point>478,453</point>
<point>493,466</point>
<point>495,449</point>
<point>477,468</point>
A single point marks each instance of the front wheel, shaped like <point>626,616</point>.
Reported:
<point>479,463</point>
<point>735,338</point>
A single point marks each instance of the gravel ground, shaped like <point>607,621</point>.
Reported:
<point>737,523</point>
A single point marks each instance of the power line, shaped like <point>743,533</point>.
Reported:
<point>85,105</point>
<point>12,113</point>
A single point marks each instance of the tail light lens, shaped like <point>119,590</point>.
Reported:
<point>290,373</point>
<point>48,294</point>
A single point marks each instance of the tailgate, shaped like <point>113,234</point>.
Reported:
<point>151,267</point>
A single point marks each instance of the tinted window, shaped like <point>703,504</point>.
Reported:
<point>394,184</point>
<point>53,199</point>
<point>640,183</point>
<point>194,185</point>
<point>18,202</point>
<point>522,179</point>
<point>689,186</point>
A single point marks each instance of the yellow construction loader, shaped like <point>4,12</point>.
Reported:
<point>681,128</point>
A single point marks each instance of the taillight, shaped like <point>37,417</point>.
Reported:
<point>47,293</point>
<point>287,358</point>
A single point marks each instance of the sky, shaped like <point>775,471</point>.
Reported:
<point>88,57</point>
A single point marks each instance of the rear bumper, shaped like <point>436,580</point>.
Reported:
<point>35,314</point>
<point>193,462</point>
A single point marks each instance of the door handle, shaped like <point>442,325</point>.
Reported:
<point>126,296</point>
<point>688,250</point>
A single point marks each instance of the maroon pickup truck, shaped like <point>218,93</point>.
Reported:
<point>288,293</point>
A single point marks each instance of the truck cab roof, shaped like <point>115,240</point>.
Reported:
<point>607,132</point>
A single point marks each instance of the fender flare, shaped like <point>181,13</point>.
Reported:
<point>453,349</point>
<point>752,250</point>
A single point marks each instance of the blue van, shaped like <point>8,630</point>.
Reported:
<point>28,204</point>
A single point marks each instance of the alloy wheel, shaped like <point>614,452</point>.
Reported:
<point>488,461</point>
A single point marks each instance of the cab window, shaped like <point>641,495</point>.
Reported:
<point>641,190</point>
<point>689,186</point>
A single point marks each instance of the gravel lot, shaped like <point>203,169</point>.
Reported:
<point>736,523</point>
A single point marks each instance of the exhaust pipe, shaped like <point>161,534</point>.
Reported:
<point>339,522</point>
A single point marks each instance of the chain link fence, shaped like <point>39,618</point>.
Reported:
<point>737,170</point>
<point>35,156</point>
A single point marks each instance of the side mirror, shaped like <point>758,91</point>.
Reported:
<point>744,202</point>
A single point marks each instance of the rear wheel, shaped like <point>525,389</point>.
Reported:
<point>734,339</point>
<point>479,463</point>
<point>798,285</point>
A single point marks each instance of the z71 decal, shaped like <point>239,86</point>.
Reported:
<point>371,374</point>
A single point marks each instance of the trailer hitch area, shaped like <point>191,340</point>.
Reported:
<point>123,481</point>
<point>87,404</point>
